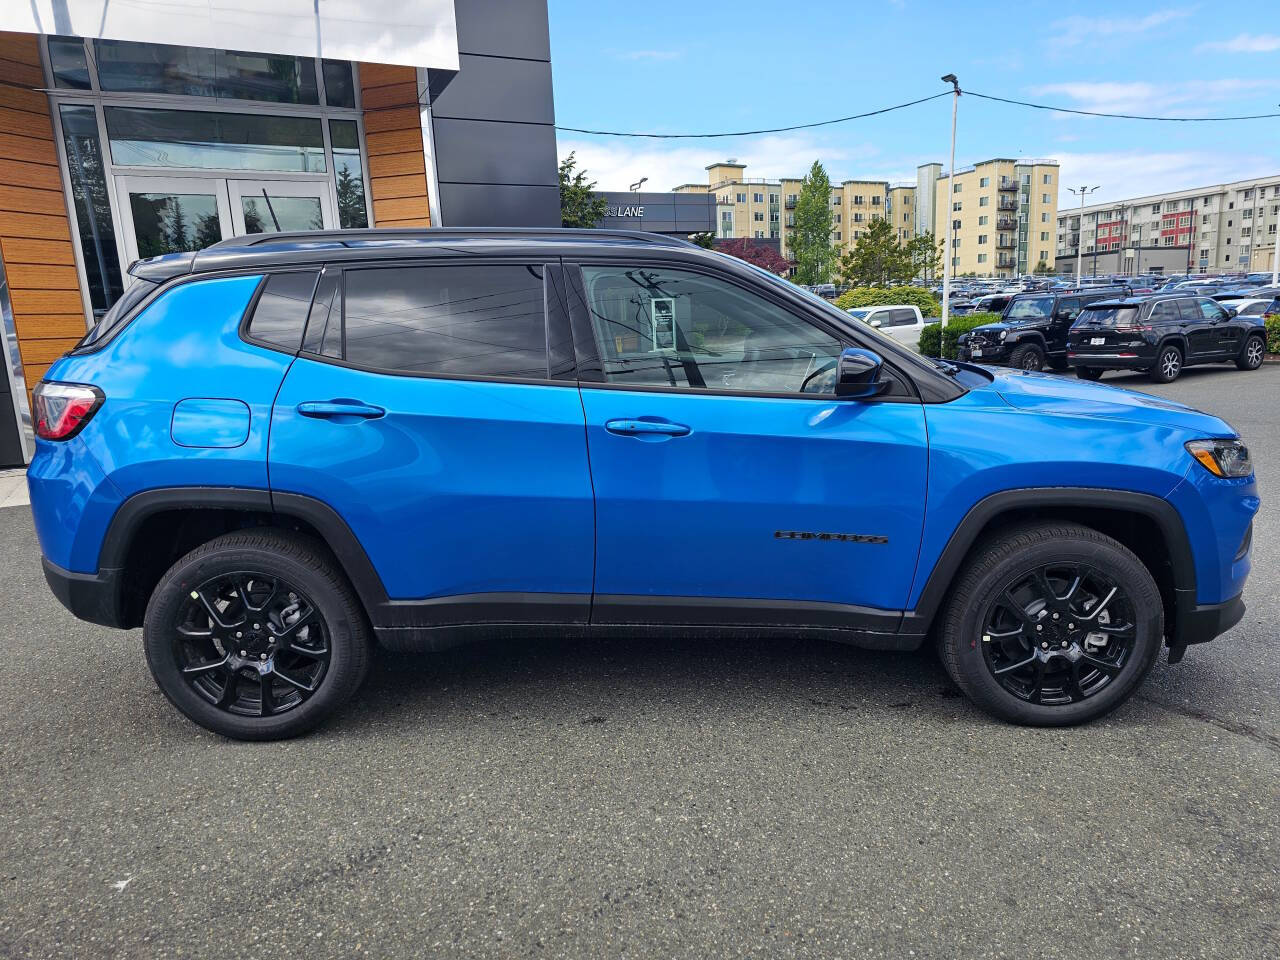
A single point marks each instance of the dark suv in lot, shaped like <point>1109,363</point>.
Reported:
<point>1032,329</point>
<point>1161,335</point>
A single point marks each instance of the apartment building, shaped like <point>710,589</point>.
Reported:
<point>1224,227</point>
<point>765,209</point>
<point>1003,214</point>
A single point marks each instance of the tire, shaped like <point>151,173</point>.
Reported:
<point>309,656</point>
<point>1079,681</point>
<point>1088,373</point>
<point>1168,364</point>
<point>1059,364</point>
<point>1255,348</point>
<point>1027,356</point>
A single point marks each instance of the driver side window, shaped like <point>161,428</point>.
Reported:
<point>661,327</point>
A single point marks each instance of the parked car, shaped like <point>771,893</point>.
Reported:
<point>1248,307</point>
<point>901,322</point>
<point>992,303</point>
<point>1162,335</point>
<point>1032,330</point>
<point>476,433</point>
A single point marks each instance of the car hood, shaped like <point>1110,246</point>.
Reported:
<point>1050,393</point>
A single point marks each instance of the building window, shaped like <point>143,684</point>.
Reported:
<point>93,209</point>
<point>837,218</point>
<point>142,137</point>
<point>757,198</point>
<point>1044,254</point>
<point>348,174</point>
<point>1044,198</point>
<point>982,239</point>
<point>982,258</point>
<point>1044,236</point>
<point>983,201</point>
<point>742,198</point>
<point>955,224</point>
<point>875,201</point>
<point>70,67</point>
<point>956,187</point>
<point>857,198</point>
<point>837,236</point>
<point>1044,218</point>
<point>758,216</point>
<point>984,182</point>
<point>956,206</point>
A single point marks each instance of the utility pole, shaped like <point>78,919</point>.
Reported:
<point>1275,261</point>
<point>1084,192</point>
<point>951,188</point>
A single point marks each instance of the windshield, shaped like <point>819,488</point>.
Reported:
<point>1109,316</point>
<point>1025,308</point>
<point>119,310</point>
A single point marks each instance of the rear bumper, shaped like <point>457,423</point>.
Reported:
<point>1200,623</point>
<point>1110,361</point>
<point>95,597</point>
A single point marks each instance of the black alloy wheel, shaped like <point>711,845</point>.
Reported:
<point>251,644</point>
<point>1058,634</point>
<point>256,635</point>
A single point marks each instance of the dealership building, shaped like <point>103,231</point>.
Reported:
<point>129,130</point>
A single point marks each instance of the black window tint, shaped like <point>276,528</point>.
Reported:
<point>1189,311</point>
<point>481,320</point>
<point>1209,309</point>
<point>1252,310</point>
<point>663,327</point>
<point>1070,306</point>
<point>902,318</point>
<point>281,313</point>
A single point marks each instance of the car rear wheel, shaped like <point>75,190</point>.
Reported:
<point>1255,348</point>
<point>1168,365</point>
<point>256,635</point>
<point>1088,373</point>
<point>1051,625</point>
<point>1027,356</point>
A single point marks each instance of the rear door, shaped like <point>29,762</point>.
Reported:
<point>425,410</point>
<point>731,486</point>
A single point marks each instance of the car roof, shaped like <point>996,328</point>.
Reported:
<point>312,246</point>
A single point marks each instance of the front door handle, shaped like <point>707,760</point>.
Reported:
<point>666,428</point>
<point>335,409</point>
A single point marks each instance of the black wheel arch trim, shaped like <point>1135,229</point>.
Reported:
<point>966,533</point>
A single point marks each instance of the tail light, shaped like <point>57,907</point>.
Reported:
<point>62,409</point>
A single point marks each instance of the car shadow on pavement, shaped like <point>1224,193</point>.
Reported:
<point>593,680</point>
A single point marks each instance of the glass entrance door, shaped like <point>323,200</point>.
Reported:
<point>172,214</point>
<point>269,206</point>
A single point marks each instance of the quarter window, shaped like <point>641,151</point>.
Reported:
<point>473,320</point>
<point>673,328</point>
<point>281,312</point>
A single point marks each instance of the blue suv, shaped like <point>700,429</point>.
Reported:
<point>276,451</point>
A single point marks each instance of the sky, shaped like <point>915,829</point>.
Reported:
<point>715,65</point>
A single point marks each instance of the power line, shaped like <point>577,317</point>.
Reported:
<point>1121,116</point>
<point>748,133</point>
<point>912,103</point>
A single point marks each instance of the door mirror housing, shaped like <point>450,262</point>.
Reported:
<point>859,374</point>
<point>874,323</point>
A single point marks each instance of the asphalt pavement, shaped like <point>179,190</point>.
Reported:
<point>647,799</point>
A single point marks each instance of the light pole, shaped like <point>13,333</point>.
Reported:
<point>1275,261</point>
<point>1083,192</point>
<point>951,180</point>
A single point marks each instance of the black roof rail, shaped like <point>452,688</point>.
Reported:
<point>443,234</point>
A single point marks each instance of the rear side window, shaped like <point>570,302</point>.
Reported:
<point>482,320</point>
<point>120,310</point>
<point>281,312</point>
<point>901,318</point>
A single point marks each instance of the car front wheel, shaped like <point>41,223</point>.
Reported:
<point>1255,348</point>
<point>1027,356</point>
<point>1051,625</point>
<point>256,635</point>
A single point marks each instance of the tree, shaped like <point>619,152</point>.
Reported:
<point>1043,269</point>
<point>810,245</point>
<point>877,258</point>
<point>351,211</point>
<point>580,205</point>
<point>705,240</point>
<point>926,256</point>
<point>761,255</point>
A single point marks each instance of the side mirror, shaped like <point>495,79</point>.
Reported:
<point>859,374</point>
<point>1231,312</point>
<point>874,323</point>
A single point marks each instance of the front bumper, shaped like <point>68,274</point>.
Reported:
<point>1201,622</point>
<point>991,353</point>
<point>95,597</point>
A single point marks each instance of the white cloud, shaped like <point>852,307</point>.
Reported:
<point>616,163</point>
<point>1123,175</point>
<point>1153,98</point>
<point>1245,43</point>
<point>1072,31</point>
<point>650,55</point>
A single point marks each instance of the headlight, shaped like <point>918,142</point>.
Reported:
<point>1222,458</point>
<point>1003,334</point>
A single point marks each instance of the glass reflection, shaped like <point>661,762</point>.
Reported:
<point>93,209</point>
<point>211,141</point>
<point>174,222</point>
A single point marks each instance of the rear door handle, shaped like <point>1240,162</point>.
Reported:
<point>331,409</point>
<point>624,428</point>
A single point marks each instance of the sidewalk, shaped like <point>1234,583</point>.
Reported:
<point>13,488</point>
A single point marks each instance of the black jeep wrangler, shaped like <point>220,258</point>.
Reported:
<point>1032,330</point>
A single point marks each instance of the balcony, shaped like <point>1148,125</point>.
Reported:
<point>1006,223</point>
<point>1007,204</point>
<point>1008,184</point>
<point>1006,243</point>
<point>790,203</point>
<point>1007,263</point>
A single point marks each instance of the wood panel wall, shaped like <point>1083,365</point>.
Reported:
<point>35,233</point>
<point>393,135</point>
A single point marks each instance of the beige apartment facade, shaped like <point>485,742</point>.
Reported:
<point>744,207</point>
<point>1226,227</point>
<point>1003,216</point>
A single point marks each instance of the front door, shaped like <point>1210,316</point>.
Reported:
<point>421,410</point>
<point>731,486</point>
<point>1201,330</point>
<point>172,214</point>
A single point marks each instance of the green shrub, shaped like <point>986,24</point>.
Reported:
<point>1273,335</point>
<point>879,296</point>
<point>935,342</point>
